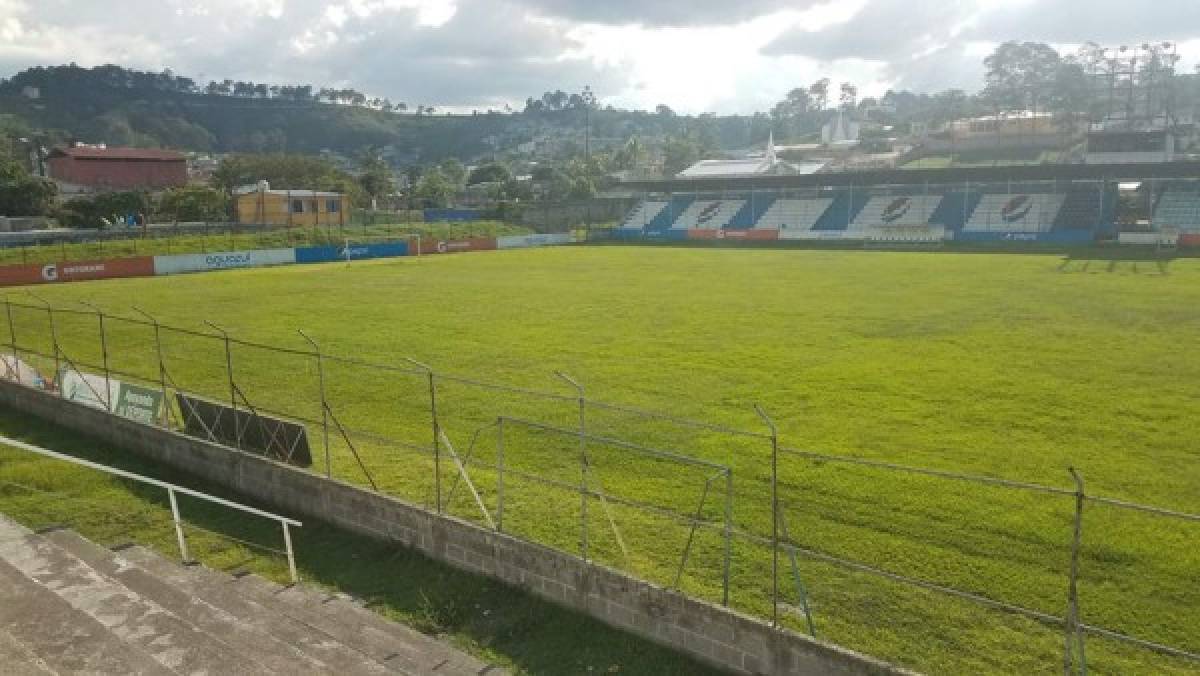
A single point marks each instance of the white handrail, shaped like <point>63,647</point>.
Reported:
<point>171,489</point>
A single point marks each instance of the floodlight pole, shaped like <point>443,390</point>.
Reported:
<point>437,431</point>
<point>162,367</point>
<point>53,333</point>
<point>103,354</point>
<point>583,463</point>
<point>324,402</point>
<point>774,514</point>
<point>229,374</point>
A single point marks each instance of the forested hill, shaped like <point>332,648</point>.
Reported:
<point>123,107</point>
<point>119,106</point>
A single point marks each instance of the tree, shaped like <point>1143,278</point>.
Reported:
<point>92,212</point>
<point>434,190</point>
<point>22,194</point>
<point>819,92</point>
<point>679,153</point>
<point>1020,74</point>
<point>489,173</point>
<point>194,203</point>
<point>452,168</point>
<point>849,96</point>
<point>376,177</point>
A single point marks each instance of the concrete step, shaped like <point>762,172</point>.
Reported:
<point>221,591</point>
<point>62,637</point>
<point>439,657</point>
<point>136,621</point>
<point>244,637</point>
<point>19,660</point>
<point>410,651</point>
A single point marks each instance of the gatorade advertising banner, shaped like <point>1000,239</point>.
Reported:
<point>76,271</point>
<point>428,246</point>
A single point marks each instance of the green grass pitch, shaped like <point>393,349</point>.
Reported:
<point>1013,366</point>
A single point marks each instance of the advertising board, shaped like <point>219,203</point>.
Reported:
<point>523,241</point>
<point>76,271</point>
<point>326,254</point>
<point>225,260</point>
<point>265,435</point>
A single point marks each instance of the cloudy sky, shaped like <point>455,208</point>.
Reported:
<point>694,55</point>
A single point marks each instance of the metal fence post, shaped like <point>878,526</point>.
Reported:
<point>500,474</point>
<point>437,430</point>
<point>12,338</point>
<point>291,554</point>
<point>324,401</point>
<point>162,367</point>
<point>229,375</point>
<point>103,354</point>
<point>774,514</point>
<point>728,537</point>
<point>184,556</point>
<point>53,335</point>
<point>583,464</point>
<point>1073,633</point>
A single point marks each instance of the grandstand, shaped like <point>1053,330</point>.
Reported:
<point>1178,208</point>
<point>1051,204</point>
<point>1024,212</point>
<point>643,215</point>
<point>708,215</point>
<point>792,215</point>
<point>896,211</point>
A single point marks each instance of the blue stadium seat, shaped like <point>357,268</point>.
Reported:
<point>844,209</point>
<point>956,208</point>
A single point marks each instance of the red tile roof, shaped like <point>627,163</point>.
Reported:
<point>121,154</point>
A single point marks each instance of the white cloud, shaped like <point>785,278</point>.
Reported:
<point>694,55</point>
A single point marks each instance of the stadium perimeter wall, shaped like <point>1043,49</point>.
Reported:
<point>711,633</point>
<point>147,266</point>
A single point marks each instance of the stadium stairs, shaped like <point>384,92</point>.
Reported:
<point>750,213</point>
<point>955,210</point>
<point>1081,210</point>
<point>842,212</point>
<point>68,605</point>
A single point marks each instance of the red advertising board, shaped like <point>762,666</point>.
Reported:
<point>1190,240</point>
<point>76,271</point>
<point>455,245</point>
<point>752,235</point>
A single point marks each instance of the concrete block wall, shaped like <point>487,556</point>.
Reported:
<point>717,635</point>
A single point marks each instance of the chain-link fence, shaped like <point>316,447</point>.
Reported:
<point>851,550</point>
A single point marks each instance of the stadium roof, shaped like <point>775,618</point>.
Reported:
<point>299,194</point>
<point>766,165</point>
<point>704,168</point>
<point>947,176</point>
<point>97,153</point>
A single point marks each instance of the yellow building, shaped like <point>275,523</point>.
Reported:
<point>261,205</point>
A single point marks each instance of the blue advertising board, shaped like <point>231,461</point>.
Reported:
<point>1059,237</point>
<point>355,252</point>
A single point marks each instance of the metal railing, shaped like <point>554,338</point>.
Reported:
<point>172,490</point>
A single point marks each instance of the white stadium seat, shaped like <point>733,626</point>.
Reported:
<point>708,214</point>
<point>999,212</point>
<point>793,215</point>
